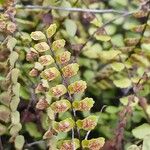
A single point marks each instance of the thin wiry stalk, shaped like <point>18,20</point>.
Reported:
<point>34,143</point>
<point>87,135</point>
<point>1,145</point>
<point>99,11</point>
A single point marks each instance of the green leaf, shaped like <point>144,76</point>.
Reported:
<point>103,38</point>
<point>14,75</point>
<point>146,143</point>
<point>4,113</point>
<point>109,55</point>
<point>15,117</point>
<point>67,144</point>
<point>2,78</point>
<point>146,46</point>
<point>14,103</point>
<point>133,147</point>
<point>93,51</point>
<point>19,142</point>
<point>83,105</point>
<point>125,100</point>
<point>51,30</point>
<point>64,125</point>
<point>111,109</point>
<point>53,143</point>
<point>50,113</point>
<point>13,58</point>
<point>16,89</point>
<point>25,37</point>
<point>70,70</point>
<point>11,43</point>
<point>33,130</point>
<point>141,131</point>
<point>89,75</point>
<point>141,59</point>
<point>97,22</point>
<point>117,40</point>
<point>2,1</point>
<point>15,129</point>
<point>60,106</point>
<point>88,123</point>
<point>37,35</point>
<point>122,83</point>
<point>41,47</point>
<point>24,93</point>
<point>64,4</point>
<point>5,98</point>
<point>95,143</point>
<point>38,66</point>
<point>71,27</point>
<point>117,66</point>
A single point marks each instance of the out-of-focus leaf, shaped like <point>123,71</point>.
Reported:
<point>16,89</point>
<point>2,78</point>
<point>146,46</point>
<point>25,37</point>
<point>65,4</point>
<point>108,55</point>
<point>5,98</point>
<point>117,66</point>
<point>123,83</point>
<point>11,43</point>
<point>51,113</point>
<point>13,58</point>
<point>117,40</point>
<point>53,143</point>
<point>133,147</point>
<point>15,117</point>
<point>88,75</point>
<point>19,142</point>
<point>2,1</point>
<point>103,38</point>
<point>97,22</point>
<point>15,129</point>
<point>14,103</point>
<point>141,59</point>
<point>24,93</point>
<point>111,109</point>
<point>37,35</point>
<point>141,131</point>
<point>33,130</point>
<point>50,2</point>
<point>25,24</point>
<point>110,29</point>
<point>125,100</point>
<point>146,143</point>
<point>4,113</point>
<point>71,27</point>
<point>93,51</point>
<point>14,75</point>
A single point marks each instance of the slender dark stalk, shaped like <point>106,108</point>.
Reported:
<point>1,145</point>
<point>32,99</point>
<point>127,110</point>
